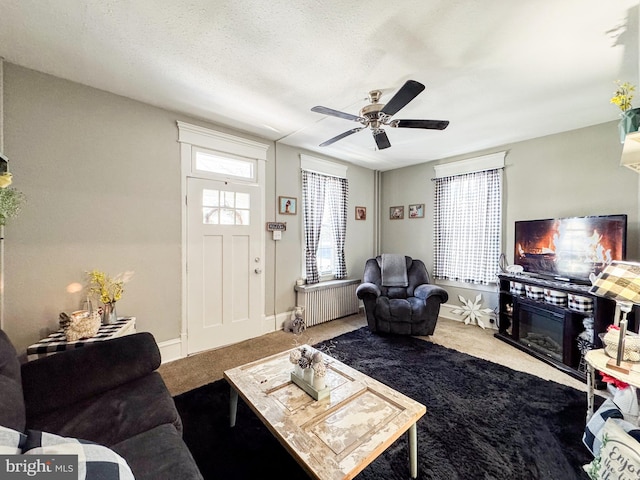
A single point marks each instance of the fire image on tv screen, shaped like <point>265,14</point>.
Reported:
<point>570,248</point>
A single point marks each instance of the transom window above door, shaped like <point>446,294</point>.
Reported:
<point>223,166</point>
<point>224,207</point>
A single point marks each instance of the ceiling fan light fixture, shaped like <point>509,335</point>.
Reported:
<point>377,114</point>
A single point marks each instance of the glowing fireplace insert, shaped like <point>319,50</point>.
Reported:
<point>542,330</point>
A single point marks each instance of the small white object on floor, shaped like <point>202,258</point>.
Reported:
<point>472,311</point>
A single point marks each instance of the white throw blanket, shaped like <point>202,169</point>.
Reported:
<point>394,270</point>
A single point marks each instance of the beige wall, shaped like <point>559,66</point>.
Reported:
<point>575,173</point>
<point>288,251</point>
<point>102,177</point>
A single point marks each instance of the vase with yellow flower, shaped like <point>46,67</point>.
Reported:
<point>630,117</point>
<point>108,290</point>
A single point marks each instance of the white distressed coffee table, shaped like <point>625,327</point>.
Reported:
<point>334,438</point>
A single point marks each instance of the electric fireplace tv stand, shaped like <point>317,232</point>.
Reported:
<point>550,332</point>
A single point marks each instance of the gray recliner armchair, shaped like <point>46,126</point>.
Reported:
<point>403,301</point>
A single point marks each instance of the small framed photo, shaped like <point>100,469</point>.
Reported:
<point>416,211</point>
<point>396,213</point>
<point>361,213</point>
<point>288,205</point>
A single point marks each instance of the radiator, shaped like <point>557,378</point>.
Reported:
<point>327,300</point>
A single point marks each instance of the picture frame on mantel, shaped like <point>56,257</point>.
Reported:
<point>416,210</point>
<point>288,205</point>
<point>396,213</point>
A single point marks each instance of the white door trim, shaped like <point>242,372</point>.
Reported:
<point>189,137</point>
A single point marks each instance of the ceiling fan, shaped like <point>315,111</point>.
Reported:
<point>376,115</point>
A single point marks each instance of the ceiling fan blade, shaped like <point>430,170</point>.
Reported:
<point>407,92</point>
<point>430,124</point>
<point>341,136</point>
<point>381,139</point>
<point>336,113</point>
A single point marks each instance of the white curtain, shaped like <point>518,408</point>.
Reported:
<point>468,226</point>
<point>313,205</point>
<point>316,188</point>
<point>337,193</point>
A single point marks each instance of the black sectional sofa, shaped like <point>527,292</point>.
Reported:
<point>108,393</point>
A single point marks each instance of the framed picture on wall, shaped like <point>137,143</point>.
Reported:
<point>361,213</point>
<point>396,213</point>
<point>416,210</point>
<point>288,205</point>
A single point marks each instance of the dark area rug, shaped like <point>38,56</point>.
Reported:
<point>483,421</point>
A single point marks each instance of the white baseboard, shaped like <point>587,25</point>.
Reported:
<point>171,350</point>
<point>279,319</point>
<point>445,312</point>
<point>176,348</point>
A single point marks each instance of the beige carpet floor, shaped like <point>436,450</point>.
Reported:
<point>197,370</point>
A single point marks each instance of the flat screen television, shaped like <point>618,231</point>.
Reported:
<point>570,249</point>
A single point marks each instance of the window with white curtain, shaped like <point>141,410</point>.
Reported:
<point>468,220</point>
<point>324,208</point>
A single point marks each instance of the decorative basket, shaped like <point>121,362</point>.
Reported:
<point>579,303</point>
<point>631,345</point>
<point>82,324</point>
<point>554,297</point>
<point>516,288</point>
<point>534,292</point>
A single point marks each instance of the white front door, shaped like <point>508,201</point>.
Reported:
<point>224,264</point>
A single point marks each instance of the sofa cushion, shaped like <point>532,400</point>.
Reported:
<point>94,461</point>
<point>592,437</point>
<point>115,415</point>
<point>11,441</point>
<point>12,412</point>
<point>159,454</point>
<point>76,375</point>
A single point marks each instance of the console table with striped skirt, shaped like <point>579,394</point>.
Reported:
<point>56,342</point>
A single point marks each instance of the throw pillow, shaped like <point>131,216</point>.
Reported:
<point>592,437</point>
<point>94,461</point>
<point>11,441</point>
<point>619,456</point>
<point>626,400</point>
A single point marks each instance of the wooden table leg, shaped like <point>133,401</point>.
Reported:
<point>233,407</point>
<point>413,450</point>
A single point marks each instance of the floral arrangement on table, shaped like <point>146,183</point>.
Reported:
<point>107,289</point>
<point>310,366</point>
<point>630,117</point>
<point>623,95</point>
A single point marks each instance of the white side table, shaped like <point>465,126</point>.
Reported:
<point>597,360</point>
<point>56,342</point>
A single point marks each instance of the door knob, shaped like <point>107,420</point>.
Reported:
<point>258,270</point>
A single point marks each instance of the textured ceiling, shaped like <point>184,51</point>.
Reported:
<point>499,70</point>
